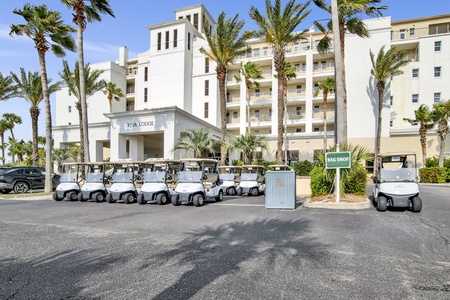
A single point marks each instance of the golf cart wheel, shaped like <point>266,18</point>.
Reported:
<point>219,197</point>
<point>140,199</point>
<point>174,200</point>
<point>110,199</point>
<point>198,200</point>
<point>56,198</point>
<point>382,203</point>
<point>416,205</point>
<point>98,197</point>
<point>81,198</point>
<point>128,198</point>
<point>161,198</point>
<point>72,196</point>
<point>255,192</point>
<point>239,192</point>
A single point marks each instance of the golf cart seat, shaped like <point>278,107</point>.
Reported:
<point>261,179</point>
<point>211,179</point>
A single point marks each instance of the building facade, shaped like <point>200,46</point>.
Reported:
<point>172,87</point>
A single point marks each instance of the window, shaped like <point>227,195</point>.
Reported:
<point>297,68</point>
<point>206,64</point>
<point>188,17</point>
<point>316,66</point>
<point>299,89</point>
<point>167,40</point>
<point>316,87</point>
<point>69,108</point>
<point>415,98</point>
<point>159,41</point>
<point>437,46</point>
<point>316,129</point>
<point>415,73</point>
<point>189,41</point>
<point>305,46</point>
<point>437,71</point>
<point>402,34</point>
<point>304,67</point>
<point>145,94</point>
<point>323,65</point>
<point>206,109</point>
<point>298,111</point>
<point>412,31</point>
<point>175,38</point>
<point>437,97</point>
<point>257,93</point>
<point>391,100</point>
<point>206,87</point>
<point>196,21</point>
<point>296,48</point>
<point>256,113</point>
<point>298,130</point>
<point>235,115</point>
<point>270,91</point>
<point>181,17</point>
<point>270,112</point>
<point>390,123</point>
<point>257,132</point>
<point>256,52</point>
<point>146,74</point>
<point>439,28</point>
<point>265,51</point>
<point>316,109</point>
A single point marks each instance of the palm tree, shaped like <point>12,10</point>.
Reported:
<point>247,144</point>
<point>198,140</point>
<point>92,85</point>
<point>7,88</point>
<point>48,31</point>
<point>251,72</point>
<point>17,147</point>
<point>225,45</point>
<point>278,29</point>
<point>441,115</point>
<point>3,128</point>
<point>12,120</point>
<point>112,92</point>
<point>385,65</point>
<point>326,87</point>
<point>424,118</point>
<point>83,14</point>
<point>59,156</point>
<point>29,87</point>
<point>348,12</point>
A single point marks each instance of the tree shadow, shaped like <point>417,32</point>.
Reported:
<point>212,252</point>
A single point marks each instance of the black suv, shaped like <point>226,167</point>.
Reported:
<point>22,179</point>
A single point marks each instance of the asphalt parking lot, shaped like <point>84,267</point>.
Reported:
<point>235,249</point>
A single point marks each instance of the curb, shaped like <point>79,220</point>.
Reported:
<point>341,205</point>
<point>29,198</point>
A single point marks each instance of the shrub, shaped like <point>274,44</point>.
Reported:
<point>320,184</point>
<point>263,162</point>
<point>303,168</point>
<point>433,175</point>
<point>355,181</point>
<point>432,162</point>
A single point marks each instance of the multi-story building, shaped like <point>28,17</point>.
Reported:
<point>173,87</point>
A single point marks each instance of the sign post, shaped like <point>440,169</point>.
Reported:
<point>338,160</point>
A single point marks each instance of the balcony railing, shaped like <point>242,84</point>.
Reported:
<point>408,34</point>
<point>130,89</point>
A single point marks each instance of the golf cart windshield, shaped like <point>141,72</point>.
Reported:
<point>94,177</point>
<point>68,177</point>
<point>227,177</point>
<point>398,168</point>
<point>190,176</point>
<point>121,176</point>
<point>154,176</point>
<point>249,177</point>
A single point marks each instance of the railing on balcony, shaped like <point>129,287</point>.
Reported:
<point>130,89</point>
<point>233,98</point>
<point>261,118</point>
<point>409,34</point>
<point>295,116</point>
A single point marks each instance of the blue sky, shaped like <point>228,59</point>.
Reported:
<point>102,40</point>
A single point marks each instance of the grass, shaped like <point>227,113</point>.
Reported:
<point>24,195</point>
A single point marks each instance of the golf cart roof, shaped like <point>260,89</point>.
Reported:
<point>199,160</point>
<point>252,166</point>
<point>73,163</point>
<point>230,167</point>
<point>161,160</point>
<point>95,163</point>
<point>128,162</point>
<point>405,153</point>
<point>280,166</point>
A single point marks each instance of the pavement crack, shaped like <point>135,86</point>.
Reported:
<point>447,241</point>
<point>18,290</point>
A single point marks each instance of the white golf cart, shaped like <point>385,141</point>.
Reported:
<point>252,180</point>
<point>70,179</point>
<point>126,176</point>
<point>159,181</point>
<point>230,177</point>
<point>397,182</point>
<point>198,180</point>
<point>95,182</point>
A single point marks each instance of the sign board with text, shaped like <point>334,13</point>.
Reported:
<point>335,160</point>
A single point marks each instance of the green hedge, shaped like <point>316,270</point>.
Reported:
<point>320,185</point>
<point>303,168</point>
<point>434,175</point>
<point>355,181</point>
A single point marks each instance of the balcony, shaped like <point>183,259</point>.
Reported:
<point>408,34</point>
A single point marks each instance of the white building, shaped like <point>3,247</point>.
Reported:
<point>172,87</point>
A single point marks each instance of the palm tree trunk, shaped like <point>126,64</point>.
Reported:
<point>34,113</point>
<point>324,109</point>
<point>285,118</point>
<point>80,121</point>
<point>379,124</point>
<point>442,139</point>
<point>279,66</point>
<point>423,143</point>
<point>2,135</point>
<point>247,95</point>
<point>84,112</point>
<point>221,76</point>
<point>48,124</point>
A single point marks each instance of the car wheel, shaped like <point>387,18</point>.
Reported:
<point>110,199</point>
<point>72,196</point>
<point>56,198</point>
<point>174,200</point>
<point>140,199</point>
<point>382,203</point>
<point>198,200</point>
<point>255,192</point>
<point>128,198</point>
<point>98,197</point>
<point>161,198</point>
<point>21,187</point>
<point>5,191</point>
<point>219,197</point>
<point>416,204</point>
<point>239,192</point>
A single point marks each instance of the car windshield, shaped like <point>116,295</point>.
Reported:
<point>190,176</point>
<point>226,176</point>
<point>68,177</point>
<point>94,177</point>
<point>154,176</point>
<point>249,177</point>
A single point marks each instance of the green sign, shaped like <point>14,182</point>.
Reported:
<point>334,160</point>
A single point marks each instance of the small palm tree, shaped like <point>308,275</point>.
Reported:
<point>424,118</point>
<point>441,115</point>
<point>3,129</point>
<point>278,29</point>
<point>7,87</point>
<point>12,120</point>
<point>48,31</point>
<point>197,140</point>
<point>59,156</point>
<point>83,14</point>
<point>225,45</point>
<point>247,144</point>
<point>326,87</point>
<point>251,72</point>
<point>17,147</point>
<point>112,92</point>
<point>385,65</point>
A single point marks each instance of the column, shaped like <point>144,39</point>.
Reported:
<point>136,147</point>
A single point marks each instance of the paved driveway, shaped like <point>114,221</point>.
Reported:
<point>230,250</point>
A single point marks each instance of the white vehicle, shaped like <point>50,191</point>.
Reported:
<point>230,176</point>
<point>125,177</point>
<point>198,180</point>
<point>397,184</point>
<point>159,181</point>
<point>95,182</point>
<point>252,180</point>
<point>69,185</point>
